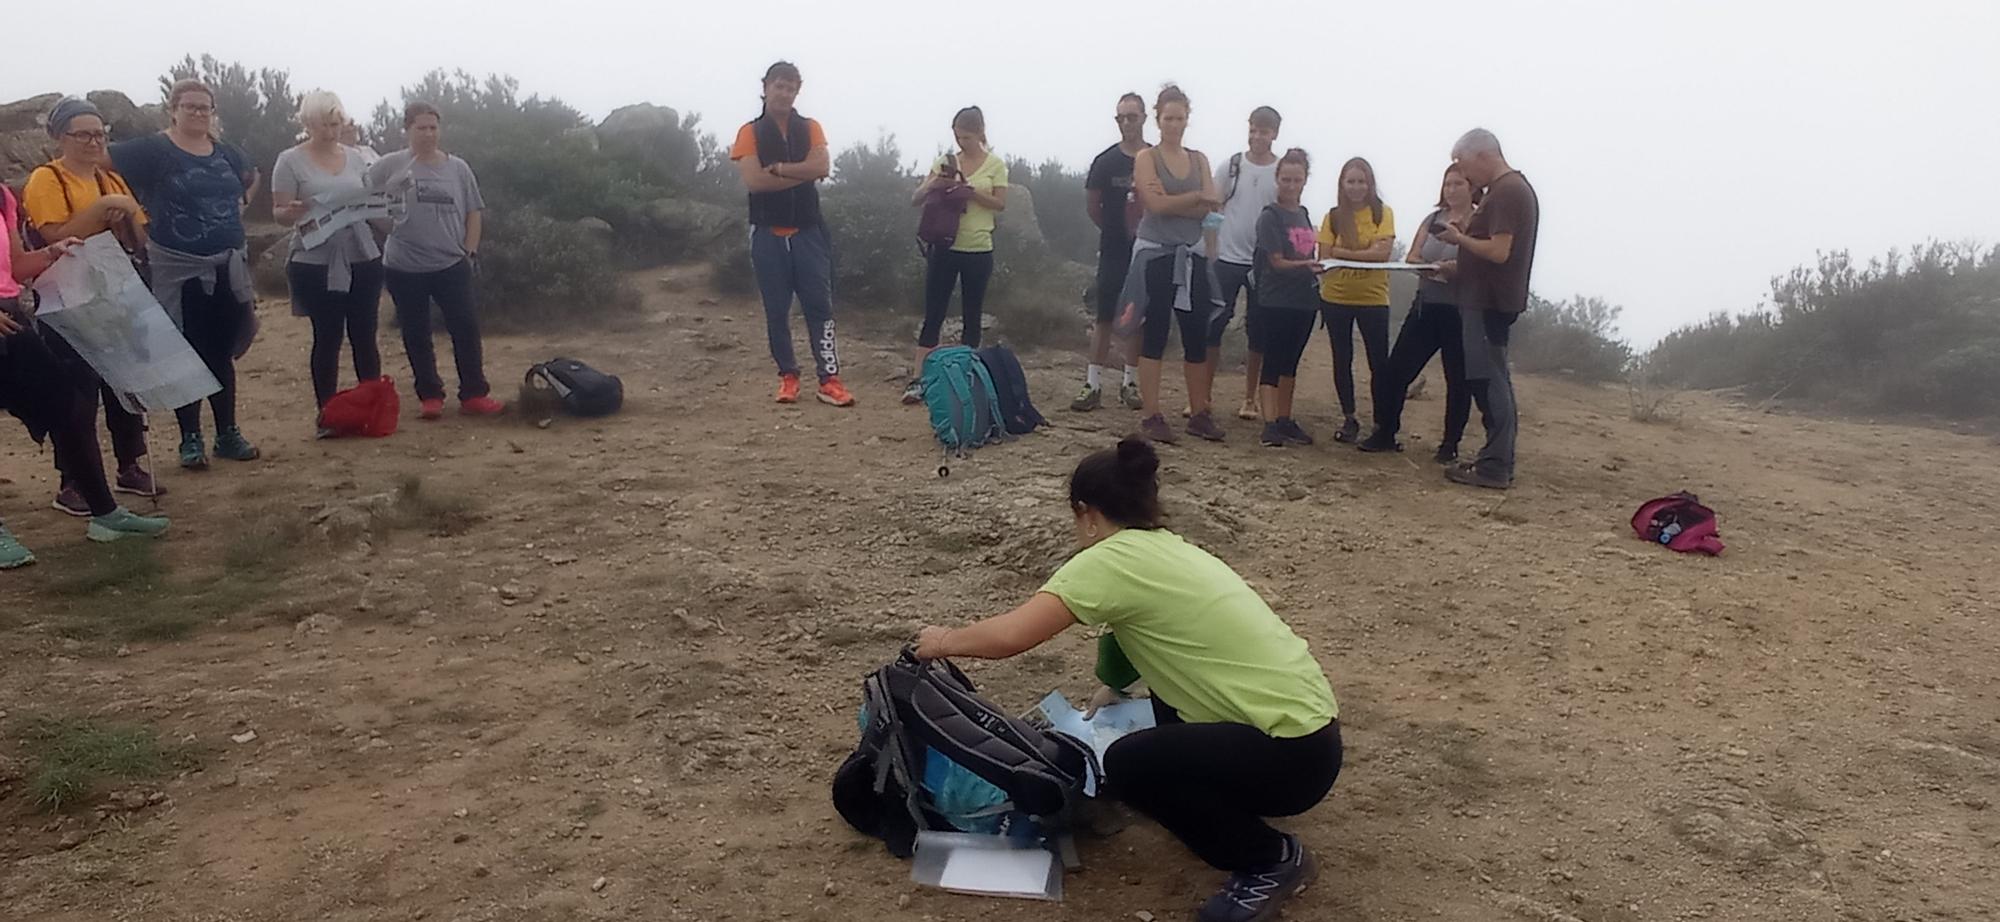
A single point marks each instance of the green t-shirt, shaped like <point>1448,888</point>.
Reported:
<point>975,226</point>
<point>1205,642</point>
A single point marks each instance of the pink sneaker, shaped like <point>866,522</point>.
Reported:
<point>481,406</point>
<point>431,408</point>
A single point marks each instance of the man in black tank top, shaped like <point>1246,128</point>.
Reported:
<point>781,157</point>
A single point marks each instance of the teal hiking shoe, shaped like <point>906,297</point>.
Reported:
<point>13,554</point>
<point>230,443</point>
<point>124,523</point>
<point>194,456</point>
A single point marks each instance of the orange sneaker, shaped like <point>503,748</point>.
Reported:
<point>788,388</point>
<point>432,408</point>
<point>481,406</point>
<point>831,391</point>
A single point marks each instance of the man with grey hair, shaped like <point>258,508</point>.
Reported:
<point>1496,252</point>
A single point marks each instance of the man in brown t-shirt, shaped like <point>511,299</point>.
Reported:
<point>1496,253</point>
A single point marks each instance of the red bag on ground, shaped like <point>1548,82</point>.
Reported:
<point>367,409</point>
<point>1679,522</point>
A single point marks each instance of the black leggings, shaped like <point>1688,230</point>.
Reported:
<point>355,312</point>
<point>211,321</point>
<point>128,429</point>
<point>1160,311</point>
<point>1341,319</point>
<point>1430,329</point>
<point>1211,785</point>
<point>949,268</point>
<point>1285,334</point>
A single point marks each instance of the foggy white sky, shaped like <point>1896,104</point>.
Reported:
<point>1685,152</point>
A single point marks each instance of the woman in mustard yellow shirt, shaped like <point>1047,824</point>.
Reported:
<point>1362,229</point>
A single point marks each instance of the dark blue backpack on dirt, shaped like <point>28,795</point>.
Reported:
<point>958,391</point>
<point>1010,387</point>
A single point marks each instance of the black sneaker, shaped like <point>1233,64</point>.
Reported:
<point>1446,454</point>
<point>1202,426</point>
<point>1472,476</point>
<point>1275,435</point>
<point>1349,431</point>
<point>1295,432</point>
<point>1378,442</point>
<point>1155,428</point>
<point>1257,896</point>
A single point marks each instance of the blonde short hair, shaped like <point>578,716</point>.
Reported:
<point>319,107</point>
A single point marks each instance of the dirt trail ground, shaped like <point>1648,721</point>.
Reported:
<point>640,662</point>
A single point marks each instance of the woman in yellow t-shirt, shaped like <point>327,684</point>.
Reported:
<point>78,194</point>
<point>1360,228</point>
<point>1247,726</point>
<point>968,263</point>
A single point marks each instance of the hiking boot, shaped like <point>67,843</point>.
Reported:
<point>1379,442</point>
<point>124,523</point>
<point>137,481</point>
<point>481,406</point>
<point>70,501</point>
<point>1128,394</point>
<point>1250,409</point>
<point>12,552</point>
<point>1446,454</point>
<point>1295,432</point>
<point>230,443</point>
<point>1274,435</point>
<point>1471,476</point>
<point>1155,428</point>
<point>833,393</point>
<point>914,394</point>
<point>430,408</point>
<point>1349,431</point>
<point>194,454</point>
<point>1256,896</point>
<point>1202,426</point>
<point>1088,399</point>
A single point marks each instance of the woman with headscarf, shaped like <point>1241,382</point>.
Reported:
<point>78,194</point>
<point>192,186</point>
<point>36,389</point>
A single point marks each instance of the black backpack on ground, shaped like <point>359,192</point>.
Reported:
<point>1010,385</point>
<point>913,711</point>
<point>581,389</point>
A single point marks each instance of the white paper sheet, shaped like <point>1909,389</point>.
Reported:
<point>1391,266</point>
<point>999,872</point>
<point>96,301</point>
<point>1103,729</point>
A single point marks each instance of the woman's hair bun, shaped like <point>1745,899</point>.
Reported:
<point>1137,458</point>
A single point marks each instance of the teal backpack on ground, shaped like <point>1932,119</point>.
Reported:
<point>958,391</point>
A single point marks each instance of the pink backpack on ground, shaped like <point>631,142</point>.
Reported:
<point>1680,522</point>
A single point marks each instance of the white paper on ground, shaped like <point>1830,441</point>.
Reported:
<point>998,872</point>
<point>1397,266</point>
<point>94,299</point>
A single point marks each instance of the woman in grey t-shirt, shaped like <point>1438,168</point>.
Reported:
<point>334,268</point>
<point>433,248</point>
<point>1430,328</point>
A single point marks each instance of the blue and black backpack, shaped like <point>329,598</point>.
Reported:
<point>964,408</point>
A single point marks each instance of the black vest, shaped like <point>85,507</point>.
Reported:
<point>799,205</point>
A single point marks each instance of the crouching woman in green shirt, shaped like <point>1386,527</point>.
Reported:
<point>1248,724</point>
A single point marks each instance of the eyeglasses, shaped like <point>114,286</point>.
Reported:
<point>1121,119</point>
<point>195,108</point>
<point>88,137</point>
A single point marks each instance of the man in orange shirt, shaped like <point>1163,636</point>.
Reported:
<point>781,157</point>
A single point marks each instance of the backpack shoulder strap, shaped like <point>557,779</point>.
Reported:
<point>1235,175</point>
